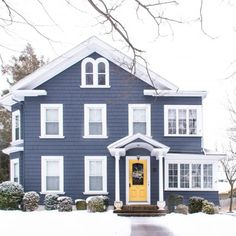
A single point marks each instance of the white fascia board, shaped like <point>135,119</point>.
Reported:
<point>192,157</point>
<point>10,150</point>
<point>79,52</point>
<point>171,93</point>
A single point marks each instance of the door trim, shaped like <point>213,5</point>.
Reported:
<point>127,179</point>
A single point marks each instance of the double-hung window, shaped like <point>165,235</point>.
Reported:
<point>181,120</point>
<point>16,126</point>
<point>95,121</point>
<point>52,174</point>
<point>95,73</point>
<point>14,170</point>
<point>51,121</point>
<point>140,119</point>
<point>95,174</point>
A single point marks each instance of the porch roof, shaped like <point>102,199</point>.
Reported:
<point>122,145</point>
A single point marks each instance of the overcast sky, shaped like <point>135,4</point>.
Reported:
<point>183,55</point>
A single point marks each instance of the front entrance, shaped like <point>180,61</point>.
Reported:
<point>138,180</point>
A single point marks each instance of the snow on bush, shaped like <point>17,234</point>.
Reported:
<point>30,201</point>
<point>195,204</point>
<point>50,201</point>
<point>208,207</point>
<point>65,204</point>
<point>181,209</point>
<point>11,195</point>
<point>96,204</point>
<point>80,204</point>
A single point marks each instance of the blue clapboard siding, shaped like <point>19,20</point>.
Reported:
<point>65,89</point>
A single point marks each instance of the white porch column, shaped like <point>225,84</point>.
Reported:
<point>117,179</point>
<point>161,190</point>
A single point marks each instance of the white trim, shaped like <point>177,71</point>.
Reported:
<point>174,93</point>
<point>87,159</point>
<point>95,87</point>
<point>148,179</point>
<point>17,142</point>
<point>14,115</point>
<point>12,149</point>
<point>190,159</point>
<point>12,171</point>
<point>147,108</point>
<point>187,107</point>
<point>44,160</point>
<point>103,108</point>
<point>43,108</point>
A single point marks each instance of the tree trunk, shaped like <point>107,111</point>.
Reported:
<point>231,198</point>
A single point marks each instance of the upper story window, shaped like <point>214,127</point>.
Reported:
<point>140,119</point>
<point>95,73</point>
<point>51,121</point>
<point>16,126</point>
<point>181,120</point>
<point>95,121</point>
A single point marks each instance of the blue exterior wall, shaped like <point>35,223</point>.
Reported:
<point>65,89</point>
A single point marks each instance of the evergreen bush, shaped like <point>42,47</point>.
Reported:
<point>195,204</point>
<point>80,204</point>
<point>173,201</point>
<point>208,207</point>
<point>50,201</point>
<point>96,204</point>
<point>181,209</point>
<point>30,201</point>
<point>11,195</point>
<point>65,204</point>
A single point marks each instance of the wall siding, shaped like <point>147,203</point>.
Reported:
<point>65,88</point>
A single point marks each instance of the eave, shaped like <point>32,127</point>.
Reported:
<point>12,149</point>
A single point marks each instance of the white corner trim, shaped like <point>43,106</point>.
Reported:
<point>12,170</point>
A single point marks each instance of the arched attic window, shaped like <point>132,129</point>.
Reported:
<point>95,73</point>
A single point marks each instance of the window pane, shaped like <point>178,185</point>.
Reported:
<point>52,183</point>
<point>184,175</point>
<point>95,115</point>
<point>17,121</point>
<point>192,121</point>
<point>101,79</point>
<point>52,115</point>
<point>173,175</point>
<point>196,175</point>
<point>52,168</point>
<point>182,121</point>
<point>95,183</point>
<point>137,174</point>
<point>95,128</point>
<point>101,67</point>
<point>95,168</point>
<point>139,127</point>
<point>52,128</point>
<point>171,121</point>
<point>89,79</point>
<point>139,115</point>
<point>16,170</point>
<point>89,67</point>
<point>17,133</point>
<point>207,175</point>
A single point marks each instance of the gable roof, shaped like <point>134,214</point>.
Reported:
<point>83,50</point>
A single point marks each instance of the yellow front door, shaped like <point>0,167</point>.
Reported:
<point>137,180</point>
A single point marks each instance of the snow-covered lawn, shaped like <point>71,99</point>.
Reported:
<point>108,224</point>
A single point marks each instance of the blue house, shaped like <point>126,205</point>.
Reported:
<point>83,125</point>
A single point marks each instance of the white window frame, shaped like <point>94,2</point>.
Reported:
<point>95,63</point>
<point>44,160</point>
<point>14,140</point>
<point>87,159</point>
<point>147,107</point>
<point>187,107</point>
<point>43,120</point>
<point>103,107</point>
<point>12,171</point>
<point>190,162</point>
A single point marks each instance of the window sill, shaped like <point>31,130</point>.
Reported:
<point>95,193</point>
<point>17,142</point>
<point>51,137</point>
<point>52,192</point>
<point>183,135</point>
<point>95,137</point>
<point>95,86</point>
<point>191,189</point>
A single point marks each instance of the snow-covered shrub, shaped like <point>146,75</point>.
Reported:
<point>208,207</point>
<point>65,204</point>
<point>173,201</point>
<point>105,201</point>
<point>80,204</point>
<point>11,195</point>
<point>50,201</point>
<point>181,209</point>
<point>30,201</point>
<point>195,204</point>
<point>96,204</point>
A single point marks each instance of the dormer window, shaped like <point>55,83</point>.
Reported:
<point>95,73</point>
